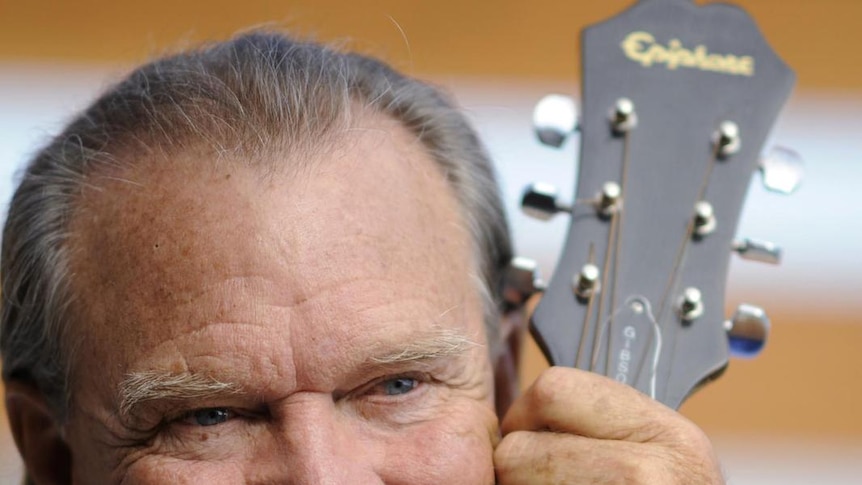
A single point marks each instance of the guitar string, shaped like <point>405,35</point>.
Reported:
<point>610,251</point>
<point>620,226</point>
<point>684,244</point>
<point>592,260</point>
<point>688,232</point>
<point>603,291</point>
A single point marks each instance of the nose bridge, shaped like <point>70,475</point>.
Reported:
<point>320,447</point>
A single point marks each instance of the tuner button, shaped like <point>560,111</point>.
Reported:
<point>747,331</point>
<point>623,116</point>
<point>727,138</point>
<point>756,250</point>
<point>521,281</point>
<point>690,304</point>
<point>704,218</point>
<point>782,170</point>
<point>540,200</point>
<point>586,283</point>
<point>609,200</point>
<point>555,117</point>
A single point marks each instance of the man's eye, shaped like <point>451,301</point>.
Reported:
<point>397,386</point>
<point>209,416</point>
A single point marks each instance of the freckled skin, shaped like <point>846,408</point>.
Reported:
<point>283,284</point>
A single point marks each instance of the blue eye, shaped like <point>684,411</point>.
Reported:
<point>210,417</point>
<point>396,387</point>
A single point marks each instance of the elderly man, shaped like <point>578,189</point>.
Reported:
<point>265,262</point>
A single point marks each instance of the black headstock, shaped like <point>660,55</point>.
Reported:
<point>677,102</point>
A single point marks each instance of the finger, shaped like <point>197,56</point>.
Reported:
<point>528,457</point>
<point>579,402</point>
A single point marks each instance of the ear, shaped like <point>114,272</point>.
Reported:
<point>513,327</point>
<point>38,436</point>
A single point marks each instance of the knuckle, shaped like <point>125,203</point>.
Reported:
<point>688,438</point>
<point>639,470</point>
<point>650,431</point>
<point>513,446</point>
<point>685,456</point>
<point>547,386</point>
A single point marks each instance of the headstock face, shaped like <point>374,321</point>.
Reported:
<point>687,74</point>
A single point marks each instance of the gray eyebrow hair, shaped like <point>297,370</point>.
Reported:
<point>140,387</point>
<point>444,343</point>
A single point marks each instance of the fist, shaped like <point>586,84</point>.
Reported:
<point>576,427</point>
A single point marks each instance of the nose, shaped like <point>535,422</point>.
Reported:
<point>321,445</point>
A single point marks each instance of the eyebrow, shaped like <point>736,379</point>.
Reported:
<point>155,385</point>
<point>442,343</point>
<point>140,387</point>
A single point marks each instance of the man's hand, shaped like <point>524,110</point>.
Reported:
<point>575,427</point>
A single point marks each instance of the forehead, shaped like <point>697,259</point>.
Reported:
<point>350,240</point>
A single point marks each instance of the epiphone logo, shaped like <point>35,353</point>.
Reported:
<point>642,47</point>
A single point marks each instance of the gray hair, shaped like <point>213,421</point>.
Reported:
<point>258,94</point>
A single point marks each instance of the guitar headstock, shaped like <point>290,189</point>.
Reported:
<point>677,102</point>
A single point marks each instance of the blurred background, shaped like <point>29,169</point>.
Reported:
<point>791,416</point>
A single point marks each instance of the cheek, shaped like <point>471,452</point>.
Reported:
<point>156,470</point>
<point>453,450</point>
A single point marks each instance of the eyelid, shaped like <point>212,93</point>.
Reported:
<point>186,419</point>
<point>420,377</point>
<point>178,416</point>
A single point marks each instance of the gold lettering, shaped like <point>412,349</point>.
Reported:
<point>633,46</point>
<point>642,48</point>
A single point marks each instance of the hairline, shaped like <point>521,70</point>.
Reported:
<point>385,95</point>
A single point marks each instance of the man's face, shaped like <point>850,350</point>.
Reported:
<point>317,327</point>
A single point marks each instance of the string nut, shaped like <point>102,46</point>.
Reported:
<point>727,138</point>
<point>690,304</point>
<point>623,116</point>
<point>610,199</point>
<point>704,219</point>
<point>586,283</point>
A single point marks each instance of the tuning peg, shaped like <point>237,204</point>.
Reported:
<point>747,331</point>
<point>623,116</point>
<point>756,250</point>
<point>782,170</point>
<point>540,200</point>
<point>727,139</point>
<point>521,281</point>
<point>555,117</point>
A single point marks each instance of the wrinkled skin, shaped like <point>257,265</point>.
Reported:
<point>290,290</point>
<point>290,287</point>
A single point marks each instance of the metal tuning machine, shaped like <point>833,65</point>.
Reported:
<point>521,281</point>
<point>756,250</point>
<point>747,331</point>
<point>555,117</point>
<point>542,201</point>
<point>782,170</point>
